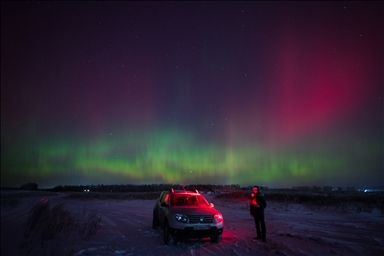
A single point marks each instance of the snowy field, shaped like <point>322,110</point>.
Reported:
<point>125,229</point>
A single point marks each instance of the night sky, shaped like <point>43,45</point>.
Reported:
<point>276,94</point>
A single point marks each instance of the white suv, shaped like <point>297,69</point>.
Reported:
<point>187,214</point>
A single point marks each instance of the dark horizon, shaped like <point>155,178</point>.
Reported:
<point>278,94</point>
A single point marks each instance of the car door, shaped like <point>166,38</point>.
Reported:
<point>163,208</point>
<point>157,205</point>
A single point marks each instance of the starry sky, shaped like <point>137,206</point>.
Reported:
<point>276,94</point>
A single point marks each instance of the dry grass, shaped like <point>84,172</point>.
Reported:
<point>88,222</point>
<point>52,228</point>
<point>9,203</point>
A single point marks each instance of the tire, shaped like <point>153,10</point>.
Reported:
<point>168,238</point>
<point>155,222</point>
<point>216,239</point>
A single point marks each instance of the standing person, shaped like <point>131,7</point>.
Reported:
<point>257,206</point>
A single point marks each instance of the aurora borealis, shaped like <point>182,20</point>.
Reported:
<point>277,94</point>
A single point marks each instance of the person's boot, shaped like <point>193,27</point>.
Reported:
<point>258,237</point>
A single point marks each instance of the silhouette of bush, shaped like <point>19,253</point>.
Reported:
<point>29,186</point>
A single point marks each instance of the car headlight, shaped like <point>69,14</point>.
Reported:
<point>218,218</point>
<point>181,218</point>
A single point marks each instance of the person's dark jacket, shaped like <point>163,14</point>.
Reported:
<point>260,200</point>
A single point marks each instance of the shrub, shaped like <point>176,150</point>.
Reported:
<point>29,186</point>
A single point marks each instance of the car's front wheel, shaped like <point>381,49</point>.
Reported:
<point>168,238</point>
<point>216,239</point>
<point>155,222</point>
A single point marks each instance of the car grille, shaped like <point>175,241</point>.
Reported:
<point>200,218</point>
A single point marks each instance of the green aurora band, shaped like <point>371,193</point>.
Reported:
<point>175,157</point>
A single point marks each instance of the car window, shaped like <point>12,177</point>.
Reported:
<point>201,200</point>
<point>161,196</point>
<point>188,200</point>
<point>178,200</point>
<point>165,198</point>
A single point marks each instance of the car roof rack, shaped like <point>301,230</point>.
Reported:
<point>172,190</point>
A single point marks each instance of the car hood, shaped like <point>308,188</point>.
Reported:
<point>193,210</point>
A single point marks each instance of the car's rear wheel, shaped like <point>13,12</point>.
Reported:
<point>216,239</point>
<point>168,238</point>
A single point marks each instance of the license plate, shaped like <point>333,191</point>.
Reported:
<point>201,227</point>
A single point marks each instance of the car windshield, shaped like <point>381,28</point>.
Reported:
<point>188,200</point>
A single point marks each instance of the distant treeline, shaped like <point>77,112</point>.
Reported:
<point>199,187</point>
<point>161,187</point>
<point>345,199</point>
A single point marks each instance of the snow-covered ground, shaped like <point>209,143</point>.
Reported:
<point>126,230</point>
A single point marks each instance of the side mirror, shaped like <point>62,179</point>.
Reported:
<point>211,205</point>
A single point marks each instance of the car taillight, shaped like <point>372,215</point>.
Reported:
<point>218,218</point>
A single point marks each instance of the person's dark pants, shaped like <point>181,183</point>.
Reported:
<point>260,225</point>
